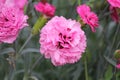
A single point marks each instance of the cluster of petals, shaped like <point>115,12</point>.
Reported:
<point>114,14</point>
<point>12,20</point>
<point>118,66</point>
<point>16,3</point>
<point>114,3</point>
<point>45,8</point>
<point>62,40</point>
<point>88,16</point>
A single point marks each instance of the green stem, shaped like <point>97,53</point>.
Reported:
<point>86,71</point>
<point>36,62</point>
<point>26,77</point>
<point>79,2</point>
<point>19,52</point>
<point>11,72</point>
<point>39,24</point>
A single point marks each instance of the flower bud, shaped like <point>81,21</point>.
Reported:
<point>117,54</point>
<point>118,66</point>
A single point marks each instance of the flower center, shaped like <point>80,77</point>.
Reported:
<point>64,41</point>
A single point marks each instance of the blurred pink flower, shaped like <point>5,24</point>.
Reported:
<point>12,20</point>
<point>2,1</point>
<point>114,13</point>
<point>87,16</point>
<point>118,66</point>
<point>45,8</point>
<point>16,3</point>
<point>62,40</point>
<point>20,3</point>
<point>114,3</point>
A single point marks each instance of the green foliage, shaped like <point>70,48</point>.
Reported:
<point>108,74</point>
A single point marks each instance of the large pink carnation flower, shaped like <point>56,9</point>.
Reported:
<point>87,16</point>
<point>114,3</point>
<point>62,40</point>
<point>45,8</point>
<point>12,20</point>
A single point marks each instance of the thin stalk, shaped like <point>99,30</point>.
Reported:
<point>36,62</point>
<point>86,71</point>
<point>114,74</point>
<point>19,52</point>
<point>11,72</point>
<point>79,2</point>
<point>26,77</point>
<point>118,45</point>
<point>114,39</point>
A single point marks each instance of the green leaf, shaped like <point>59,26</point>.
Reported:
<point>7,50</point>
<point>30,50</point>
<point>108,73</point>
<point>110,61</point>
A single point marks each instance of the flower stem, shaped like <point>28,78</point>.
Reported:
<point>39,24</point>
<point>25,76</point>
<point>79,2</point>
<point>19,52</point>
<point>85,63</point>
<point>36,62</point>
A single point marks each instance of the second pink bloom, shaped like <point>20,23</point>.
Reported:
<point>46,9</point>
<point>88,16</point>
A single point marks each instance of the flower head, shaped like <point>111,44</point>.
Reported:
<point>62,40</point>
<point>45,8</point>
<point>12,20</point>
<point>87,16</point>
<point>114,14</point>
<point>114,3</point>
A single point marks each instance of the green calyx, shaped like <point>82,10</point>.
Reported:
<point>39,24</point>
<point>117,54</point>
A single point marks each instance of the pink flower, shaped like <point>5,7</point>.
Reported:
<point>118,66</point>
<point>63,41</point>
<point>114,13</point>
<point>114,3</point>
<point>2,1</point>
<point>12,20</point>
<point>45,8</point>
<point>20,3</point>
<point>16,3</point>
<point>87,16</point>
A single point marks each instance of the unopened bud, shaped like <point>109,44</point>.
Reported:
<point>117,54</point>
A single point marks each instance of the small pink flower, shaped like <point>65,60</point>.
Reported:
<point>12,20</point>
<point>114,13</point>
<point>87,16</point>
<point>63,41</point>
<point>45,8</point>
<point>114,3</point>
<point>118,66</point>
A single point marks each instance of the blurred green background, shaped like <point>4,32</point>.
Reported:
<point>31,65</point>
